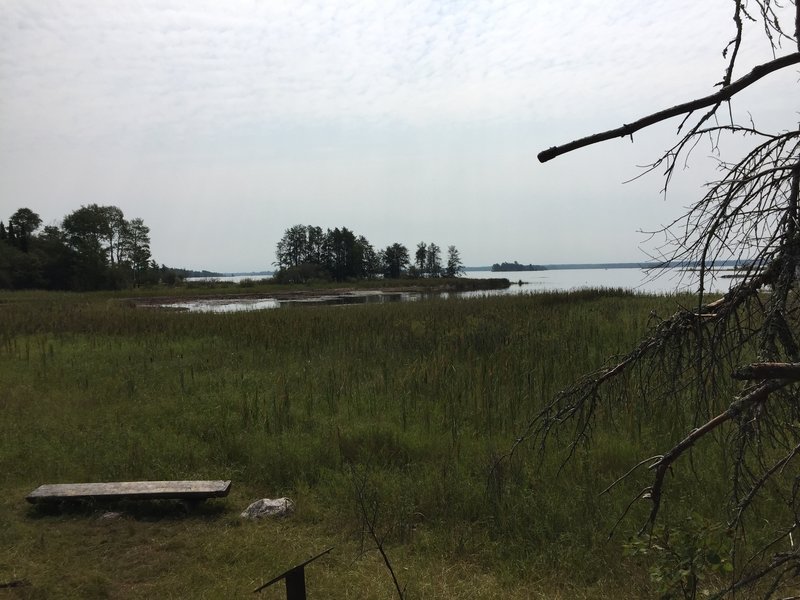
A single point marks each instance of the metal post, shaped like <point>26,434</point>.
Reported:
<point>296,584</point>
<point>295,579</point>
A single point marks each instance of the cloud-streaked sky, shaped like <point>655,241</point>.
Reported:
<point>223,123</point>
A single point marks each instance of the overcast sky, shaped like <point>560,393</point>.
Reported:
<point>223,123</point>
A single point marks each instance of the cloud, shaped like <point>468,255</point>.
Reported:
<point>121,70</point>
<point>370,110</point>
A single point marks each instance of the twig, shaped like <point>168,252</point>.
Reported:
<point>756,395</point>
<point>369,522</point>
<point>639,464</point>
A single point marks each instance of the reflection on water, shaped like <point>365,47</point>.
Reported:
<point>663,281</point>
<point>228,305</point>
<point>223,306</point>
<point>368,297</point>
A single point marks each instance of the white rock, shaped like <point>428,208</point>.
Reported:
<point>280,507</point>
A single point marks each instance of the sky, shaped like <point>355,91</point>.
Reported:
<point>221,124</point>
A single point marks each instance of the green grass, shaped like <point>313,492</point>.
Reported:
<point>257,287</point>
<point>419,398</point>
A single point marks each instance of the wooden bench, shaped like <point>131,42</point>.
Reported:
<point>131,490</point>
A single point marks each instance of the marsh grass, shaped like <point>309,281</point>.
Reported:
<point>423,396</point>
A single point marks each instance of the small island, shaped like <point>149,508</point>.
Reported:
<point>515,266</point>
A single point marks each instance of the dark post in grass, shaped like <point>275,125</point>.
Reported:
<point>295,579</point>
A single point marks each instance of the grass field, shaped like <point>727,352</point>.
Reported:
<point>413,403</point>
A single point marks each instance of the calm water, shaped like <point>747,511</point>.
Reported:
<point>657,281</point>
<point>662,281</point>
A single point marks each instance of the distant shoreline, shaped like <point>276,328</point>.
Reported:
<point>550,267</point>
<point>625,265</point>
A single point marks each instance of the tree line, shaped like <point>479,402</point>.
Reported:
<point>307,252</point>
<point>95,247</point>
<point>515,266</point>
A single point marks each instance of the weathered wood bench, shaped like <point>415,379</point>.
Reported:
<point>131,490</point>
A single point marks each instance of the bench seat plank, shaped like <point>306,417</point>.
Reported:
<point>132,490</point>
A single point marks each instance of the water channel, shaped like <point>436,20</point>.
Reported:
<point>662,281</point>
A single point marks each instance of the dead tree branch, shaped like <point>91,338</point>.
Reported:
<point>368,510</point>
<point>768,371</point>
<point>754,396</point>
<point>723,95</point>
<point>694,359</point>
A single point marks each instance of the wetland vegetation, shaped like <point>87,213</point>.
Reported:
<point>412,403</point>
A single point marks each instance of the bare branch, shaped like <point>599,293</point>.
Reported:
<point>797,24</point>
<point>369,519</point>
<point>752,214</point>
<point>735,43</point>
<point>756,395</point>
<point>768,371</point>
<point>723,95</point>
<point>761,481</point>
<point>641,463</point>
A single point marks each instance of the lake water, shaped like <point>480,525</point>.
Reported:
<point>660,281</point>
<point>655,281</point>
